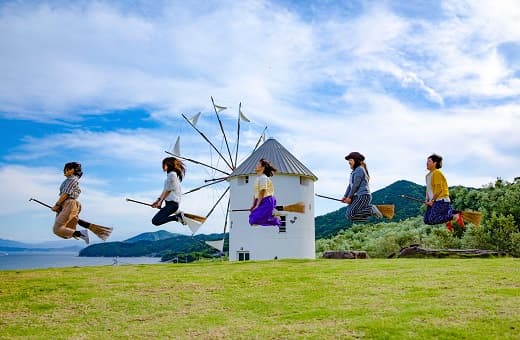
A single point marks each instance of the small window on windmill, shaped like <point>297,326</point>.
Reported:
<point>243,255</point>
<point>304,181</point>
<point>283,227</point>
<point>243,180</point>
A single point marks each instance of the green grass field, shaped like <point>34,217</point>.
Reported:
<point>322,299</point>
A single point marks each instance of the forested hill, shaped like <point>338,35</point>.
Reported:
<point>152,236</point>
<point>155,244</point>
<point>329,224</point>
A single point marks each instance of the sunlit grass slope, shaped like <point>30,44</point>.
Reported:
<point>322,299</point>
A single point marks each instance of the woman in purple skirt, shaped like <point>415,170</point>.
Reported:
<point>264,202</point>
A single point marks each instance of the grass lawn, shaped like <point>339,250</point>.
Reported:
<point>322,299</point>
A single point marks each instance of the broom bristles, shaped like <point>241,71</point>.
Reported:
<point>473,217</point>
<point>197,218</point>
<point>387,210</point>
<point>100,231</point>
<point>296,207</point>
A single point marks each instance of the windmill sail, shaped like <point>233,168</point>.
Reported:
<point>220,108</point>
<point>219,244</point>
<point>192,224</point>
<point>195,119</point>
<point>243,116</point>
<point>177,147</point>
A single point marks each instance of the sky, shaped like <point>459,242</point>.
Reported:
<point>105,83</point>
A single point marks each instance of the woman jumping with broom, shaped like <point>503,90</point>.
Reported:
<point>68,208</point>
<point>437,200</point>
<point>357,195</point>
<point>264,202</point>
<point>171,194</point>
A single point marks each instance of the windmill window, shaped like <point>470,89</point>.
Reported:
<point>304,181</point>
<point>282,228</point>
<point>243,180</point>
<point>243,255</point>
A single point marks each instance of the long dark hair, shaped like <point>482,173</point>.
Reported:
<point>269,169</point>
<point>174,164</point>
<point>75,166</point>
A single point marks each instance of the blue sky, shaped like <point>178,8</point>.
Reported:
<point>105,83</point>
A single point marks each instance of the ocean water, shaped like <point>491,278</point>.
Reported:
<point>33,260</point>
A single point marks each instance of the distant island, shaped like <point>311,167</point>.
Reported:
<point>7,246</point>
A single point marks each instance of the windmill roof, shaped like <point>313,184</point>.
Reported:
<point>278,156</point>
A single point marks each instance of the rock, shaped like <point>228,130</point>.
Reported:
<point>414,250</point>
<point>345,254</point>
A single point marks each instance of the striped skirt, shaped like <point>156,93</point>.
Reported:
<point>360,209</point>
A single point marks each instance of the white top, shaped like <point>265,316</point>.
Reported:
<point>173,184</point>
<point>429,191</point>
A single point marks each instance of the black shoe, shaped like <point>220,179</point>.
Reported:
<point>181,218</point>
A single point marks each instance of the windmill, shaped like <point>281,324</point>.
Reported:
<point>229,162</point>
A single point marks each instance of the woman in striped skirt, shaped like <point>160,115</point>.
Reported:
<point>357,195</point>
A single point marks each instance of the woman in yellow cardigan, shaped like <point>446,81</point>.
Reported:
<point>438,204</point>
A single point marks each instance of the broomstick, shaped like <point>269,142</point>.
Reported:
<point>296,207</point>
<point>100,231</point>
<point>194,217</point>
<point>387,210</point>
<point>329,198</point>
<point>412,198</point>
<point>473,217</point>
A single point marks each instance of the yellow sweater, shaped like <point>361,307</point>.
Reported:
<point>438,185</point>
<point>263,183</point>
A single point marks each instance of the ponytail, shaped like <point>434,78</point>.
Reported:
<point>364,165</point>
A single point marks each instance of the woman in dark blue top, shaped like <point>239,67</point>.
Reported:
<point>357,195</point>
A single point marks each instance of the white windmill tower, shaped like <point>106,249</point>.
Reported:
<point>293,182</point>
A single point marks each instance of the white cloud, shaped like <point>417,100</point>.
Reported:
<point>395,88</point>
<point>172,63</point>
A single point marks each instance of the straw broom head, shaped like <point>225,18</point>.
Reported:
<point>473,217</point>
<point>100,231</point>
<point>386,209</point>
<point>296,207</point>
<point>195,217</point>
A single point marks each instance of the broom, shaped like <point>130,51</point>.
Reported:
<point>194,217</point>
<point>473,217</point>
<point>100,231</point>
<point>387,210</point>
<point>295,207</point>
<point>412,198</point>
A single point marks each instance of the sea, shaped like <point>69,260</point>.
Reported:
<point>34,260</point>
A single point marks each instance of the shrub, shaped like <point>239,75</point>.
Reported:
<point>501,233</point>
